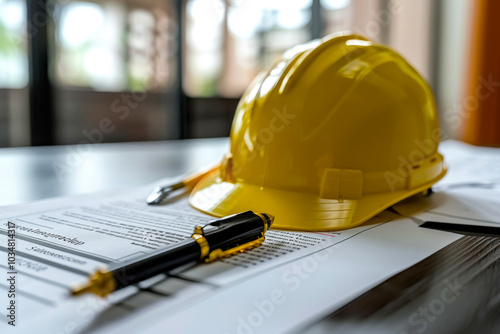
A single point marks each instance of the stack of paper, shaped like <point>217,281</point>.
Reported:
<point>292,278</point>
<point>468,195</point>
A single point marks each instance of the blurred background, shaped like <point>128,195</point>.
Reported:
<point>136,70</point>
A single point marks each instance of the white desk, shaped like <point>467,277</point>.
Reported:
<point>28,174</point>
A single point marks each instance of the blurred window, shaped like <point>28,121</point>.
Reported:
<point>337,15</point>
<point>14,124</point>
<point>205,20</point>
<point>13,44</point>
<point>89,47</point>
<point>114,46</point>
<point>229,42</point>
<point>106,52</point>
<point>120,59</point>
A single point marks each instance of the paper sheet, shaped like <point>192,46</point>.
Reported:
<point>308,288</point>
<point>59,242</point>
<point>468,195</point>
<point>470,167</point>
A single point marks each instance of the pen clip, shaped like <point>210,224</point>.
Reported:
<point>232,234</point>
<point>218,254</point>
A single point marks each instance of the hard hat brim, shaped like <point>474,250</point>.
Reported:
<point>294,210</point>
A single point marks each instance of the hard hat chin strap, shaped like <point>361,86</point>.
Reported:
<point>352,184</point>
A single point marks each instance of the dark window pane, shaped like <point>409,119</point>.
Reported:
<point>13,74</point>
<point>115,63</point>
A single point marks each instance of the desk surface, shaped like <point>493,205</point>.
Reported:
<point>33,173</point>
<point>455,290</point>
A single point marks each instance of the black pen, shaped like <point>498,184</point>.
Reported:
<point>218,239</point>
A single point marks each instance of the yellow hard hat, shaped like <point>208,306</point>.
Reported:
<point>336,131</point>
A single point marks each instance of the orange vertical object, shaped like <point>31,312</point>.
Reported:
<point>482,102</point>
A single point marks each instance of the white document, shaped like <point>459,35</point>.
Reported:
<point>289,280</point>
<point>470,167</point>
<point>468,195</point>
<point>466,206</point>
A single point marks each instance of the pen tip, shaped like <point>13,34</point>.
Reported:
<point>101,283</point>
<point>157,197</point>
<point>270,219</point>
<point>81,290</point>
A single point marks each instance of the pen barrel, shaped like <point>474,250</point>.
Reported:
<point>156,263</point>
